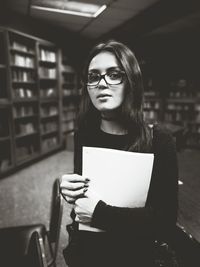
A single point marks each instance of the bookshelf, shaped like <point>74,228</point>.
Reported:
<point>173,101</point>
<point>70,94</point>
<point>38,98</point>
<point>6,148</point>
<point>49,95</point>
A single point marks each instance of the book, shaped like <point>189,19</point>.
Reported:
<point>120,178</point>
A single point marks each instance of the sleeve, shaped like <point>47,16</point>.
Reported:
<point>77,154</point>
<point>159,213</point>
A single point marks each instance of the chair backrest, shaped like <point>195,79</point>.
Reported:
<point>56,215</point>
<point>36,253</point>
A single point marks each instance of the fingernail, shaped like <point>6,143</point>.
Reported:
<point>85,190</point>
<point>87,179</point>
<point>86,185</point>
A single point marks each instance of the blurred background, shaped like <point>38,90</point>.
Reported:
<point>43,45</point>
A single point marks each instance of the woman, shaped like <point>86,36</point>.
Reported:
<point>111,116</point>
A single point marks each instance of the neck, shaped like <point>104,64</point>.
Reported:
<point>112,126</point>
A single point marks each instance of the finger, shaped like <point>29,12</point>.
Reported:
<point>73,178</point>
<point>77,219</point>
<point>74,193</point>
<point>74,186</point>
<point>69,200</point>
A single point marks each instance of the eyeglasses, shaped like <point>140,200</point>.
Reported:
<point>111,78</point>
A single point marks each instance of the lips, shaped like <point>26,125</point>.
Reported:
<point>103,95</point>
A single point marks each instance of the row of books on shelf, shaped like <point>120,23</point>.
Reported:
<point>194,128</point>
<point>49,73</point>
<point>68,126</point>
<point>68,115</point>
<point>25,128</point>
<point>152,104</point>
<point>181,94</point>
<point>21,47</point>
<point>24,151</point>
<point>151,115</point>
<point>46,55</point>
<point>48,92</point>
<point>70,92</point>
<point>4,130</point>
<point>21,111</point>
<point>49,143</point>
<point>68,77</point>
<point>22,61</point>
<point>177,117</point>
<point>23,75</point>
<point>49,126</point>
<point>178,107</point>
<point>23,93</point>
<point>49,110</point>
<point>4,164</point>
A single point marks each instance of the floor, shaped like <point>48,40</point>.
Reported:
<point>25,196</point>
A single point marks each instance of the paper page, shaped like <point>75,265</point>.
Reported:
<point>120,178</point>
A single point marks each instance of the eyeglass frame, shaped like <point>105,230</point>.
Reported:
<point>103,76</point>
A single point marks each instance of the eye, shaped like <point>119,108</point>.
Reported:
<point>93,77</point>
<point>114,75</point>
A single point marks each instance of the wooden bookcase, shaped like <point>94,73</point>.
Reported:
<point>175,102</point>
<point>70,94</point>
<point>6,142</point>
<point>34,109</point>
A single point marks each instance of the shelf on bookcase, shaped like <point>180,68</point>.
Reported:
<point>7,169</point>
<point>23,82</point>
<point>181,100</point>
<point>4,101</point>
<point>47,79</point>
<point>151,108</point>
<point>25,135</point>
<point>22,67</point>
<point>26,53</point>
<point>49,99</point>
<point>46,62</point>
<point>3,139</point>
<point>2,66</point>
<point>25,117</point>
<point>49,116</point>
<point>51,149</point>
<point>25,99</point>
<point>68,131</point>
<point>26,158</point>
<point>67,120</point>
<point>69,109</point>
<point>48,133</point>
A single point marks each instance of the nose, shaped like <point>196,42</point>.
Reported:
<point>102,83</point>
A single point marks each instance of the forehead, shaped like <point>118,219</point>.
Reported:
<point>103,61</point>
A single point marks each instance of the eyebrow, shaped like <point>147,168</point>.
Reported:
<point>109,69</point>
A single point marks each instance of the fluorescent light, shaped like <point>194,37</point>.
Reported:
<point>70,7</point>
<point>101,9</point>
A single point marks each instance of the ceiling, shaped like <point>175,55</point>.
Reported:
<point>116,13</point>
<point>122,19</point>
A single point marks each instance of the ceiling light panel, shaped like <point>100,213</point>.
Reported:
<point>59,18</point>
<point>136,4</point>
<point>69,7</point>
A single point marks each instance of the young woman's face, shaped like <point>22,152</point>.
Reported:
<point>106,97</point>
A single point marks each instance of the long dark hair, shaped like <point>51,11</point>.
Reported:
<point>132,106</point>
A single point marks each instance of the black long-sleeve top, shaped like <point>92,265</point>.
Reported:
<point>130,232</point>
<point>160,212</point>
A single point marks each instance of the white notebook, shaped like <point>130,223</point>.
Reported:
<point>120,178</point>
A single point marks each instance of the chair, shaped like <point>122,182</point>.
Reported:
<point>36,252</point>
<point>14,241</point>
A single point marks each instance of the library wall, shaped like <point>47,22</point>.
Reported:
<point>38,98</point>
<point>170,67</point>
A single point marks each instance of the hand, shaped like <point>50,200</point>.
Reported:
<point>84,207</point>
<point>73,186</point>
